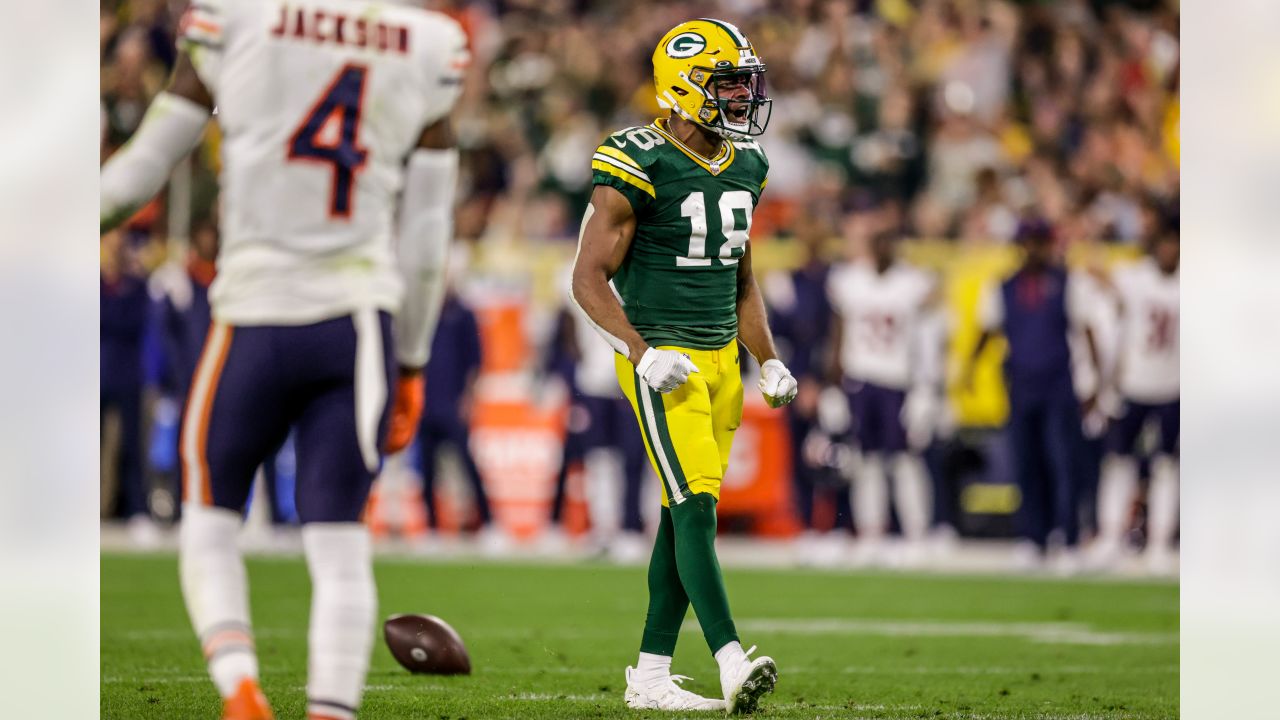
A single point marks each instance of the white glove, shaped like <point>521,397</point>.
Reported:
<point>919,416</point>
<point>776,383</point>
<point>664,370</point>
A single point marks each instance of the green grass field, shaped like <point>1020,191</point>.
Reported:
<point>551,641</point>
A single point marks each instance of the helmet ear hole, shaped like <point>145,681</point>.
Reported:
<point>680,91</point>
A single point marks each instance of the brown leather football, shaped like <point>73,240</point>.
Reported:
<point>426,644</point>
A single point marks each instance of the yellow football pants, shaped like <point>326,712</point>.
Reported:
<point>688,431</point>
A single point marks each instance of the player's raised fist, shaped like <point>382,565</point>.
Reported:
<point>776,383</point>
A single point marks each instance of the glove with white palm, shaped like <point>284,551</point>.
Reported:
<point>664,370</point>
<point>920,411</point>
<point>776,383</point>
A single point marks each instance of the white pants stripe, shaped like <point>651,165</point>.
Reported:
<point>195,426</point>
<point>371,384</point>
<point>646,402</point>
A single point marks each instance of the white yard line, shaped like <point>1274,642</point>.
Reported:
<point>1053,633</point>
<point>980,670</point>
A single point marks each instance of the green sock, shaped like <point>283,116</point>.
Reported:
<point>668,602</point>
<point>695,550</point>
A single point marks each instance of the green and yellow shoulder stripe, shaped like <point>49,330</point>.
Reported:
<point>622,170</point>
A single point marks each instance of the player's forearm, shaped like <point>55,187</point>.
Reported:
<point>1095,359</point>
<point>753,322</point>
<point>172,128</point>
<point>426,228</point>
<point>591,293</point>
<point>930,367</point>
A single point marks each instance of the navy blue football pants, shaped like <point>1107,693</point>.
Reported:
<point>1044,429</point>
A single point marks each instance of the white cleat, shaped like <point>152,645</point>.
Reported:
<point>868,553</point>
<point>1068,563</point>
<point>1161,561</point>
<point>144,533</point>
<point>665,694</point>
<point>553,541</point>
<point>830,549</point>
<point>493,541</point>
<point>1027,557</point>
<point>1104,555</point>
<point>629,548</point>
<point>746,682</point>
<point>913,554</point>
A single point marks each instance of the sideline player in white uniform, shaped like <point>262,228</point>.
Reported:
<point>1093,348</point>
<point>1147,383</point>
<point>601,437</point>
<point>329,109</point>
<point>613,483</point>
<point>882,307</point>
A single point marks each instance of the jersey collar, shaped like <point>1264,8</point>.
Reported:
<point>715,165</point>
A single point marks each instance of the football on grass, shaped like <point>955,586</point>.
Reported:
<point>426,644</point>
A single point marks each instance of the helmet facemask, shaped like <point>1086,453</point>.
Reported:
<point>737,104</point>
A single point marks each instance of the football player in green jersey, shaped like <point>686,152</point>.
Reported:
<point>668,226</point>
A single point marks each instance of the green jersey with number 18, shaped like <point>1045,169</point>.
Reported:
<point>679,282</point>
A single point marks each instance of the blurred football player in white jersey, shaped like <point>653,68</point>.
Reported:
<point>599,436</point>
<point>1093,348</point>
<point>329,110</point>
<point>881,305</point>
<point>1147,382</point>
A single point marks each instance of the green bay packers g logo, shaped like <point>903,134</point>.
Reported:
<point>686,45</point>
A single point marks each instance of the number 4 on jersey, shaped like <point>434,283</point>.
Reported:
<point>318,140</point>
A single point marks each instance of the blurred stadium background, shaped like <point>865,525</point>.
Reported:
<point>950,120</point>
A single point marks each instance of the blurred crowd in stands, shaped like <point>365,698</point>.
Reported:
<point>951,121</point>
<point>960,115</point>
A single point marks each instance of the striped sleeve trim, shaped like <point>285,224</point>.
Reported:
<point>628,176</point>
<point>456,67</point>
<point>621,166</point>
<point>201,25</point>
<point>188,40</point>
<point>621,157</point>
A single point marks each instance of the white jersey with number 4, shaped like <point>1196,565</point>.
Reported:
<point>319,102</point>
<point>880,313</point>
<point>1149,333</point>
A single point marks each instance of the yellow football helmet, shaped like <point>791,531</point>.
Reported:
<point>707,71</point>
